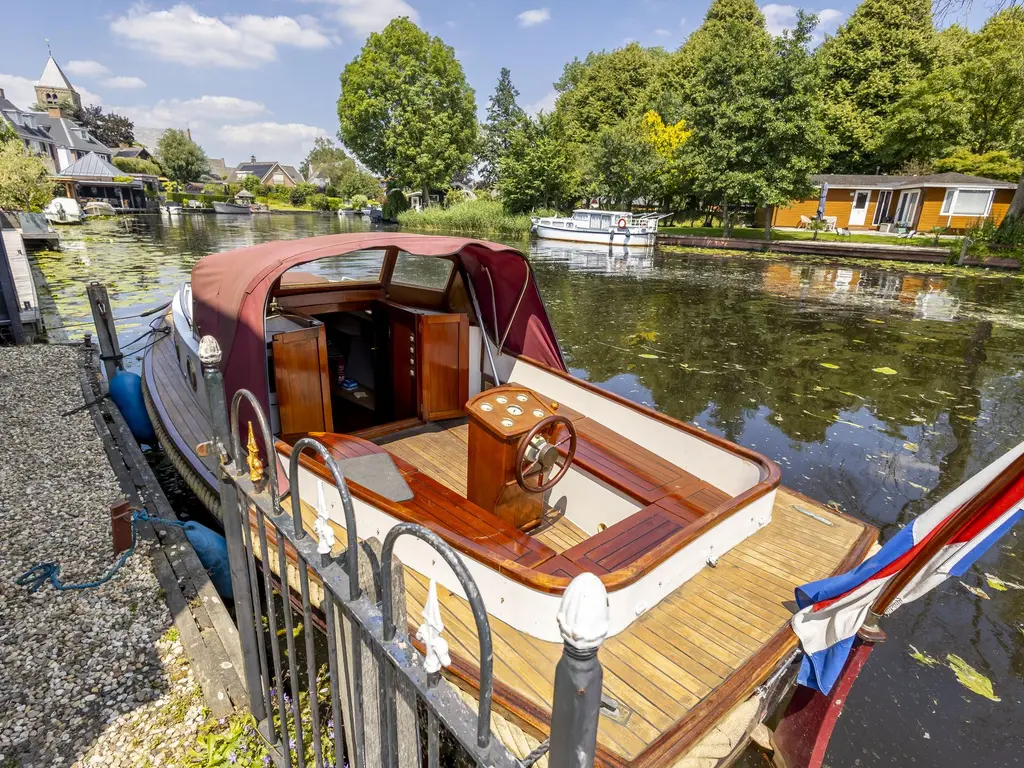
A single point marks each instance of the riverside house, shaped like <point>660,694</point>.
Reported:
<point>889,203</point>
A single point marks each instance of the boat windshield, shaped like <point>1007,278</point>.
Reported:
<point>353,267</point>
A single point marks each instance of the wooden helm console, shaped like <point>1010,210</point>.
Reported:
<point>514,437</point>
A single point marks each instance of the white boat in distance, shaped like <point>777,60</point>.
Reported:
<point>232,208</point>
<point>63,210</point>
<point>604,227</point>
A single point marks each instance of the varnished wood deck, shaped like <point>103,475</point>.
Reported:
<point>439,450</point>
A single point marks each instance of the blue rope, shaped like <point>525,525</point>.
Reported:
<point>37,575</point>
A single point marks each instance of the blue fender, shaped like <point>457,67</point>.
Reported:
<point>212,549</point>
<point>126,392</point>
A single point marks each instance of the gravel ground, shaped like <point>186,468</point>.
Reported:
<point>88,677</point>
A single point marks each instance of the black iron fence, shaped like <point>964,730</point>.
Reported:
<point>368,698</point>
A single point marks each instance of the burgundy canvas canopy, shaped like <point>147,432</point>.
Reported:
<point>230,292</point>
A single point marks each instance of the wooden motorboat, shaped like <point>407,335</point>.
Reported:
<point>63,210</point>
<point>236,208</point>
<point>429,368</point>
<point>96,208</point>
<point>602,227</point>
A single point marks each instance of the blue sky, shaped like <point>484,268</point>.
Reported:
<point>261,76</point>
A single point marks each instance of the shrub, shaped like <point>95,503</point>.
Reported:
<point>394,204</point>
<point>453,197</point>
<point>1010,232</point>
<point>252,183</point>
<point>484,216</point>
<point>136,165</point>
<point>360,201</point>
<point>319,202</point>
<point>334,203</point>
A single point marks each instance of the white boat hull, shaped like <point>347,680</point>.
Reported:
<point>603,237</point>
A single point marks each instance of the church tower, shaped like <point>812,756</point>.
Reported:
<point>54,88</point>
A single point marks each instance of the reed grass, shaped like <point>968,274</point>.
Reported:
<point>479,216</point>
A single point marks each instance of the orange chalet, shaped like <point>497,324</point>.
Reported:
<point>898,203</point>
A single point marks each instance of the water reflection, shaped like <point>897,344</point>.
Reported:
<point>878,390</point>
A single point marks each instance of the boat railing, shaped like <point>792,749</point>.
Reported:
<point>372,698</point>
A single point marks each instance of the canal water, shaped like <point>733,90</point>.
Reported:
<point>877,389</point>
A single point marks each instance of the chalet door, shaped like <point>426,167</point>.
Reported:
<point>303,382</point>
<point>906,208</point>
<point>859,214</point>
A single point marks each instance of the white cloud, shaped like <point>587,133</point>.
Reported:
<point>545,103</point>
<point>285,142</point>
<point>662,32</point>
<point>124,82</point>
<point>87,68</point>
<point>362,17</point>
<point>20,91</point>
<point>168,113</point>
<point>533,17</point>
<point>778,18</point>
<point>184,35</point>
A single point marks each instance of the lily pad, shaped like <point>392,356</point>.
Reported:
<point>971,678</point>
<point>648,356</point>
<point>996,583</point>
<point>833,366</point>
<point>911,446</point>
<point>886,370</point>
<point>923,658</point>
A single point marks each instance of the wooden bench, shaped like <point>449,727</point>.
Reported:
<point>444,511</point>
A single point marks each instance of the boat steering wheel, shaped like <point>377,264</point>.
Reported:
<point>536,456</point>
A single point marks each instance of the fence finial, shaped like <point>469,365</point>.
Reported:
<point>209,351</point>
<point>429,634</point>
<point>583,616</point>
<point>253,459</point>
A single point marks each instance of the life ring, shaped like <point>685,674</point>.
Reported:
<point>622,223</point>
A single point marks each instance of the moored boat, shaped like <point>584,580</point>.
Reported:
<point>603,227</point>
<point>63,210</point>
<point>171,208</point>
<point>235,208</point>
<point>429,368</point>
<point>96,208</point>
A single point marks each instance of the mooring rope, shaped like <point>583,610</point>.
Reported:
<point>37,575</point>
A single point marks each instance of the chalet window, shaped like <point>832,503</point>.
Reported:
<point>421,271</point>
<point>967,202</point>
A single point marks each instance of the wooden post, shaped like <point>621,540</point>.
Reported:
<point>583,621</point>
<point>110,348</point>
<point>120,526</point>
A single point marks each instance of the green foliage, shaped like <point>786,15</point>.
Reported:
<point>454,196</point>
<point>333,203</point>
<point>541,168</point>
<point>406,109</point>
<point>320,202</point>
<point>883,48</point>
<point>137,165</point>
<point>6,132</point>
<point>123,179</point>
<point>504,116</point>
<point>206,200</point>
<point>1010,232</point>
<point>394,204</point>
<point>298,194</point>
<point>181,158</point>
<point>480,216</point>
<point>252,184</point>
<point>321,158</point>
<point>24,180</point>
<point>992,165</point>
<point>109,129</point>
<point>360,201</point>
<point>624,167</point>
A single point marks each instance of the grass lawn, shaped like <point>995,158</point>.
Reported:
<point>282,205</point>
<point>757,233</point>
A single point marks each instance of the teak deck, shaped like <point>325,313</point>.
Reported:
<point>677,670</point>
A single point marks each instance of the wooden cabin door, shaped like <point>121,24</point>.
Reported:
<point>303,381</point>
<point>444,341</point>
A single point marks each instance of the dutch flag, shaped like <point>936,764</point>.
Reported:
<point>833,609</point>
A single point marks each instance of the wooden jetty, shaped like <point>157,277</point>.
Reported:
<point>20,318</point>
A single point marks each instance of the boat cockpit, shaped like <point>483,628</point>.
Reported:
<point>534,475</point>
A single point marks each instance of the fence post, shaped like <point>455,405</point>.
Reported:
<point>231,519</point>
<point>583,622</point>
<point>110,348</point>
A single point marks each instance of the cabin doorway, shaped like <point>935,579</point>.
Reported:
<point>906,208</point>
<point>859,213</point>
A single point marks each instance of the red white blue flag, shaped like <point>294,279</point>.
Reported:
<point>833,609</point>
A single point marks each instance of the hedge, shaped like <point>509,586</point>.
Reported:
<point>181,197</point>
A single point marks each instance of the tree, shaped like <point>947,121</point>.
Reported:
<point>181,158</point>
<point>252,183</point>
<point>504,116</point>
<point>722,67</point>
<point>406,109</point>
<point>606,87</point>
<point>541,168</point>
<point>113,130</point>
<point>882,49</point>
<point>24,181</point>
<point>322,158</point>
<point>137,165</point>
<point>992,165</point>
<point>394,204</point>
